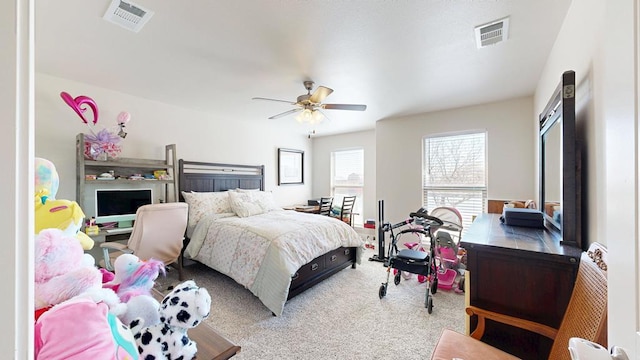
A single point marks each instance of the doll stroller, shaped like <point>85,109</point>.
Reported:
<point>413,261</point>
<point>447,259</point>
<point>447,239</point>
<point>451,221</point>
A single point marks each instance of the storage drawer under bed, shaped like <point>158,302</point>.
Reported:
<point>309,270</point>
<point>338,257</point>
<point>321,268</point>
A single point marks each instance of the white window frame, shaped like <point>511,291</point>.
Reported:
<point>357,190</point>
<point>469,208</point>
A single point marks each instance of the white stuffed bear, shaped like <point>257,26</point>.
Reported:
<point>183,308</point>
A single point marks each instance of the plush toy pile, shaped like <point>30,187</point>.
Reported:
<point>83,312</point>
<point>76,318</point>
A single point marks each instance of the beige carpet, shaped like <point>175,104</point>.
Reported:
<point>341,318</point>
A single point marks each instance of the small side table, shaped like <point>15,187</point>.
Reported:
<point>311,209</point>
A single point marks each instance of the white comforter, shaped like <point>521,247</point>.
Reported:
<point>262,252</point>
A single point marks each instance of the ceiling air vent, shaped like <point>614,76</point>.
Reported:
<point>492,33</point>
<point>128,15</point>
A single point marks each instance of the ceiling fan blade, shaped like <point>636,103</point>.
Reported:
<point>344,107</point>
<point>320,94</point>
<point>325,115</point>
<point>267,99</point>
<point>284,114</point>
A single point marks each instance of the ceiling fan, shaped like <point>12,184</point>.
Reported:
<point>310,104</point>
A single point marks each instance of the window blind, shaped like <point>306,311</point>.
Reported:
<point>454,173</point>
<point>348,167</point>
<point>347,179</point>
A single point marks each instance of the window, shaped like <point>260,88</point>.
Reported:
<point>454,173</point>
<point>347,179</point>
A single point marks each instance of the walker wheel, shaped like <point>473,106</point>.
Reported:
<point>434,284</point>
<point>396,279</point>
<point>383,291</point>
<point>429,305</point>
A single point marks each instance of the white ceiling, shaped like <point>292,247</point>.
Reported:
<point>399,57</point>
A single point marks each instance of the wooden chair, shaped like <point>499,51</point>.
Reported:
<point>585,317</point>
<point>346,211</point>
<point>158,233</point>
<point>325,206</point>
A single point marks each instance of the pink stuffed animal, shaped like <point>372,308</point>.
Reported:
<point>61,271</point>
<point>80,329</point>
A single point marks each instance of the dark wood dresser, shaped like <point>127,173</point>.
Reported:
<point>518,271</point>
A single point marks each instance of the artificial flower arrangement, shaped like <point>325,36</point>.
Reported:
<point>104,144</point>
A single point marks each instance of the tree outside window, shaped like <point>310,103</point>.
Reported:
<point>454,173</point>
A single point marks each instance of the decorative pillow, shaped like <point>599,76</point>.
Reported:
<point>204,203</point>
<point>265,200</point>
<point>243,204</point>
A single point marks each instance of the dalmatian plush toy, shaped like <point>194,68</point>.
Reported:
<point>183,308</point>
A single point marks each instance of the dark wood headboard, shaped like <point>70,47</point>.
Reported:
<point>213,177</point>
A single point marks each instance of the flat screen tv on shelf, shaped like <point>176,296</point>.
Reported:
<point>120,205</point>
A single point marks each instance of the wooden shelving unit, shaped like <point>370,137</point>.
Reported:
<point>125,167</point>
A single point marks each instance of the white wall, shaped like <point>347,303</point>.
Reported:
<point>571,51</point>
<point>598,40</point>
<point>209,137</point>
<point>16,137</point>
<point>510,149</point>
<point>322,148</point>
<point>620,113</point>
<point>8,137</point>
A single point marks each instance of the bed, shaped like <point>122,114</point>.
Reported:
<point>236,229</point>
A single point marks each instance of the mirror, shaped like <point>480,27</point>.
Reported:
<point>552,176</point>
<point>559,170</point>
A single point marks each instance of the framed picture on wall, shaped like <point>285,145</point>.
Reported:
<point>290,166</point>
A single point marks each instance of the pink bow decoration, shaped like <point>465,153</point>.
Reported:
<point>80,104</point>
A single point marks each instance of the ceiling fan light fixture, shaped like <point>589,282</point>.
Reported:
<point>308,106</point>
<point>309,116</point>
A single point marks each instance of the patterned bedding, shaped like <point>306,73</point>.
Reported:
<point>262,252</point>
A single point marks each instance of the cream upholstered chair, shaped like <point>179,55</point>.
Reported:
<point>585,317</point>
<point>158,233</point>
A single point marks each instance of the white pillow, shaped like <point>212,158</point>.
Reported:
<point>203,203</point>
<point>243,204</point>
<point>265,200</point>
